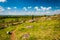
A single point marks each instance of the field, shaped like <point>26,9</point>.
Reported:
<point>30,27</point>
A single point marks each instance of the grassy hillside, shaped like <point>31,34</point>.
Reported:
<point>30,27</point>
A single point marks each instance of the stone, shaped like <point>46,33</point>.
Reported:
<point>48,18</point>
<point>29,26</point>
<point>31,21</point>
<point>26,36</point>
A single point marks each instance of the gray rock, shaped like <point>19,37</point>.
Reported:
<point>31,21</point>
<point>29,26</point>
<point>26,36</point>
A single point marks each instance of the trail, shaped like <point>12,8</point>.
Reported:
<point>13,35</point>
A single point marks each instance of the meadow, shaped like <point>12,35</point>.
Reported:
<point>30,27</point>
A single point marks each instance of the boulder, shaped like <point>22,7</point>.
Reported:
<point>26,36</point>
<point>29,26</point>
<point>31,21</point>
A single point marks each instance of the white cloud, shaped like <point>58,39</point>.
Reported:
<point>37,9</point>
<point>33,13</point>
<point>48,8</point>
<point>15,7</point>
<point>24,8</point>
<point>2,0</point>
<point>42,8</point>
<point>29,7</point>
<point>45,8</point>
<point>56,11</point>
<point>8,8</point>
<point>52,12</point>
<point>1,9</point>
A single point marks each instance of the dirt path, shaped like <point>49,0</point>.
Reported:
<point>13,35</point>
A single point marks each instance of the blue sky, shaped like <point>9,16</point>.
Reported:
<point>29,7</point>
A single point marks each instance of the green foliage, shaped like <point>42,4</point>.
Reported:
<point>33,38</point>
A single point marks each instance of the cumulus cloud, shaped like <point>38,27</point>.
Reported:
<point>15,7</point>
<point>48,8</point>
<point>1,9</point>
<point>29,7</point>
<point>45,8</point>
<point>8,8</point>
<point>2,0</point>
<point>39,11</point>
<point>48,12</point>
<point>37,8</point>
<point>56,11</point>
<point>33,13</point>
<point>42,8</point>
<point>24,8</point>
<point>52,12</point>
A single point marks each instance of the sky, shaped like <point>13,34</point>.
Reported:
<point>29,7</point>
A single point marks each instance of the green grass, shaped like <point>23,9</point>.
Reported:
<point>41,30</point>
